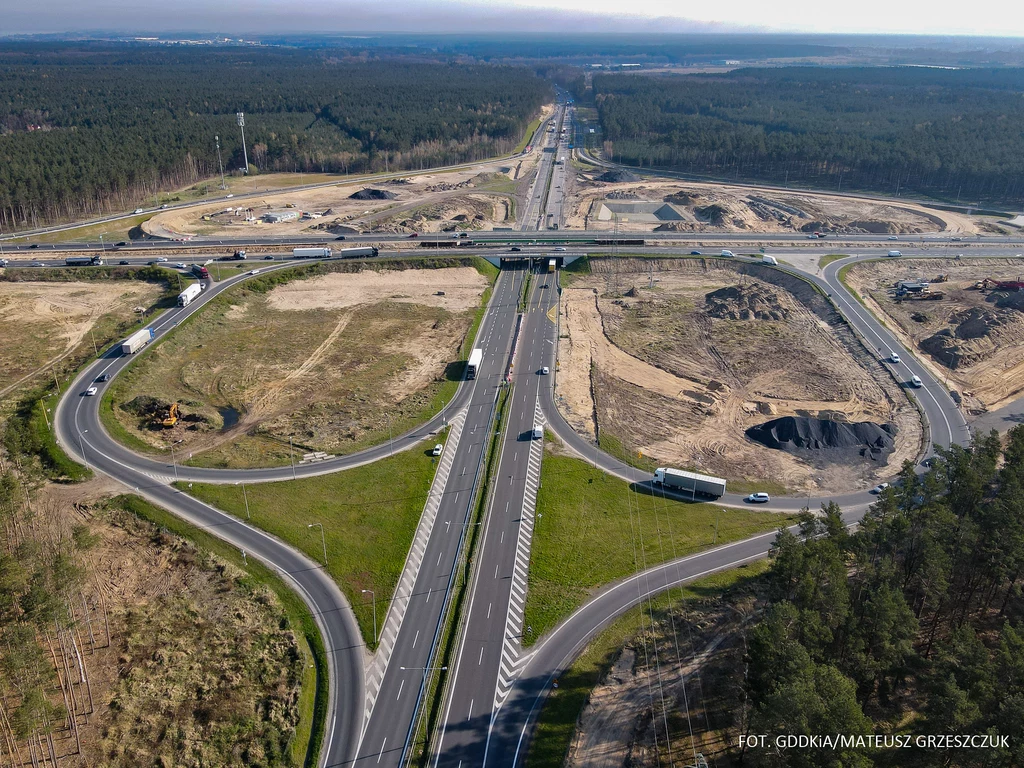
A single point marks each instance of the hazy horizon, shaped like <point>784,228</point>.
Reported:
<point>269,17</point>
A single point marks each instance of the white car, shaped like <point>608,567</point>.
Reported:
<point>437,450</point>
<point>161,259</point>
<point>180,265</point>
<point>138,210</point>
<point>545,371</point>
<point>91,391</point>
<point>758,498</point>
<point>559,249</point>
<point>894,358</point>
<point>879,488</point>
<point>915,382</point>
<point>893,237</point>
<point>254,272</point>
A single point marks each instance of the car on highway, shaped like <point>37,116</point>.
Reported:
<point>268,258</point>
<point>37,264</point>
<point>559,249</point>
<point>181,265</point>
<point>90,391</point>
<point>414,234</point>
<point>758,498</point>
<point>254,272</point>
<point>226,196</point>
<point>4,262</point>
<point>437,450</point>
<point>812,237</point>
<point>139,210</point>
<point>893,237</point>
<point>515,249</point>
<point>545,371</point>
<point>122,244</point>
<point>879,488</point>
<point>123,263</point>
<point>103,377</point>
<point>696,253</point>
<point>340,237</point>
<point>915,382</point>
<point>161,259</point>
<point>894,358</point>
<point>34,245</point>
<point>163,207</point>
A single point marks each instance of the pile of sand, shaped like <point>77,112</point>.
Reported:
<point>751,301</point>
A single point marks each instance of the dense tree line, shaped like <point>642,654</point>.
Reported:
<point>948,134</point>
<point>913,624</point>
<point>85,129</point>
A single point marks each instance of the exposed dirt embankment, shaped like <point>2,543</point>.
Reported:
<point>676,359</point>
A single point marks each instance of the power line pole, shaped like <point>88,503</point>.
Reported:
<point>241,127</point>
<point>223,185</point>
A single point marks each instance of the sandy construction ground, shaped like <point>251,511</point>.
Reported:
<point>474,199</point>
<point>724,208</point>
<point>679,380</point>
<point>971,338</point>
<point>461,288</point>
<point>41,321</point>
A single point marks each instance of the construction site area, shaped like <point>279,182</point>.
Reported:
<point>965,317</point>
<point>621,200</point>
<point>314,367</point>
<point>713,365</point>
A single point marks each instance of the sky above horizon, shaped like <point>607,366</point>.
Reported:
<point>942,17</point>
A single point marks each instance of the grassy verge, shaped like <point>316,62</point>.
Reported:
<point>305,748</point>
<point>112,231</point>
<point>842,279</point>
<point>530,130</point>
<point>592,530</point>
<point>824,261</point>
<point>556,723</point>
<point>369,515</point>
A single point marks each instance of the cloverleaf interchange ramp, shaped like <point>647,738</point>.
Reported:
<point>495,689</point>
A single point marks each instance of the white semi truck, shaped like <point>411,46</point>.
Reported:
<point>192,292</point>
<point>476,357</point>
<point>355,253</point>
<point>689,482</point>
<point>311,253</point>
<point>136,341</point>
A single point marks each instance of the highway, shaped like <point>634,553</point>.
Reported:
<point>493,688</point>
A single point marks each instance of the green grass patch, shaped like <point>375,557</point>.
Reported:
<point>527,135</point>
<point>593,529</point>
<point>556,723</point>
<point>824,261</point>
<point>369,515</point>
<point>112,231</point>
<point>305,748</point>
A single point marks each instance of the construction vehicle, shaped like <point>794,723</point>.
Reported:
<point>172,416</point>
<point>941,279</point>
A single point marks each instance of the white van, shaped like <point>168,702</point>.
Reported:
<point>894,253</point>
<point>538,433</point>
<point>727,254</point>
<point>766,259</point>
<point>915,382</point>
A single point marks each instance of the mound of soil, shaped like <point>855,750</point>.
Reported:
<point>745,302</point>
<point>713,214</point>
<point>372,194</point>
<point>681,198</point>
<point>820,438</point>
<point>618,177</point>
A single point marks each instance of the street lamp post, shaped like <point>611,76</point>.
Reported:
<point>173,463</point>
<point>373,597</point>
<point>323,538</point>
<point>245,498</point>
<point>81,444</point>
<point>241,127</point>
<point>223,184</point>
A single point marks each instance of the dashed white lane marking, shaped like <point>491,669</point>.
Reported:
<point>512,657</point>
<point>404,591</point>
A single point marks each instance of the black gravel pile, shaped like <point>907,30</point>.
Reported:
<point>618,177</point>
<point>373,194</point>
<point>823,439</point>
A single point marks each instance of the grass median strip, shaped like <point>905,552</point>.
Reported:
<point>369,515</point>
<point>593,529</point>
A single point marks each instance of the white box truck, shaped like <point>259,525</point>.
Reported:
<point>766,259</point>
<point>136,341</point>
<point>689,482</point>
<point>727,254</point>
<point>192,292</point>
<point>894,253</point>
<point>311,253</point>
<point>475,358</point>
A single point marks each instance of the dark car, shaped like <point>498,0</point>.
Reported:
<point>104,377</point>
<point>414,234</point>
<point>340,237</point>
<point>123,263</point>
<point>696,253</point>
<point>268,258</point>
<point>516,248</point>
<point>34,245</point>
<point>122,244</point>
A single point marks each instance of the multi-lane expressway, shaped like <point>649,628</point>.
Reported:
<point>493,687</point>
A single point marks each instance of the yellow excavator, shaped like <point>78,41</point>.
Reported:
<point>172,416</point>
